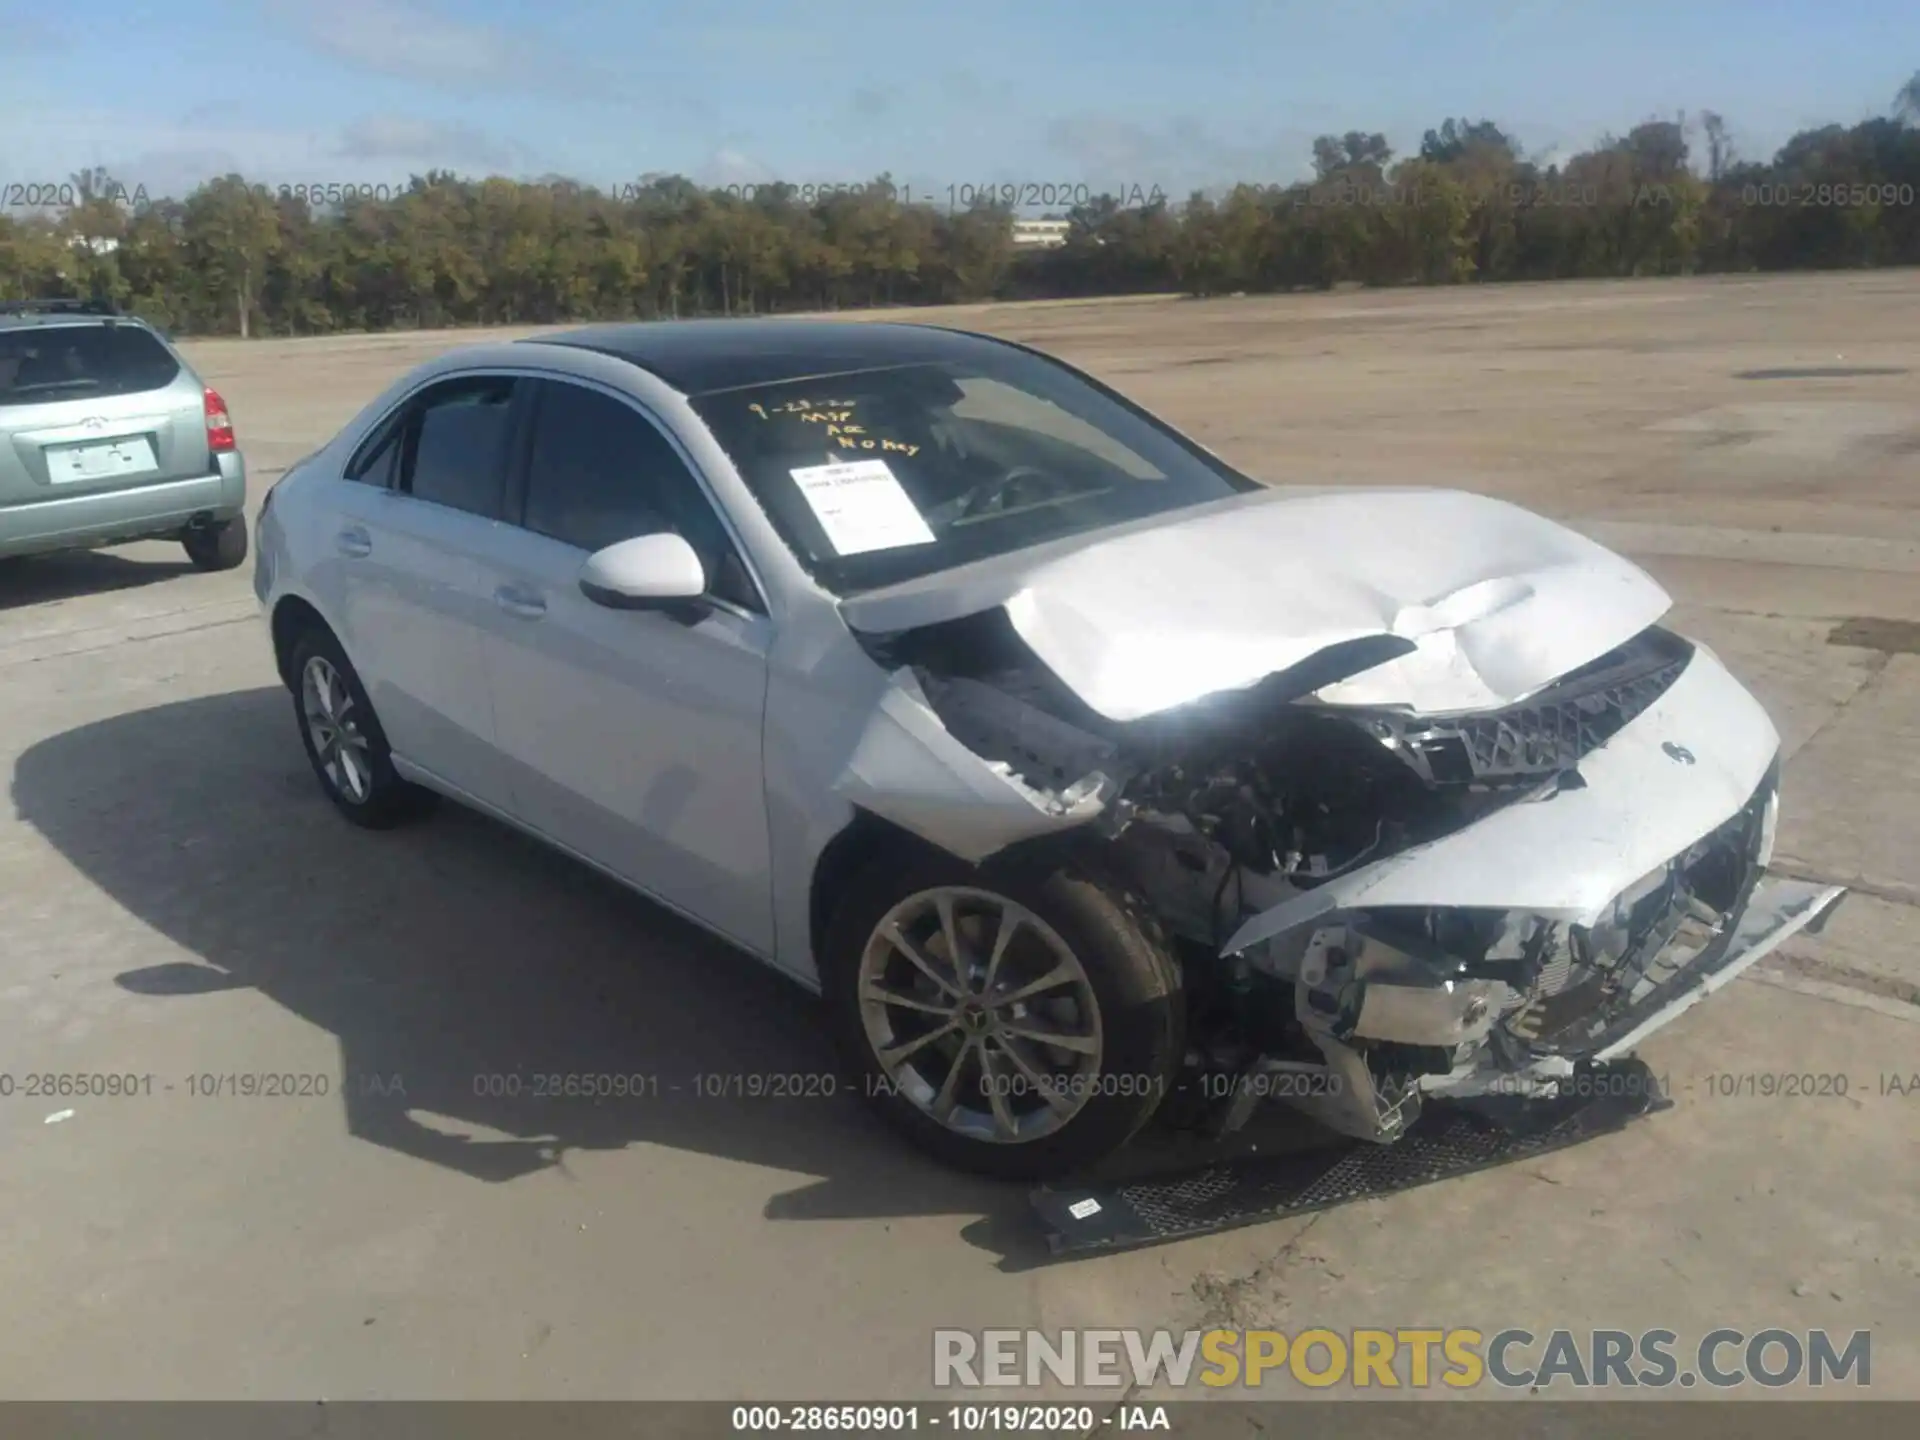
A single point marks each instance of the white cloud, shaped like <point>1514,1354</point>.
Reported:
<point>166,157</point>
<point>1178,155</point>
<point>969,87</point>
<point>426,45</point>
<point>172,158</point>
<point>871,102</point>
<point>429,144</point>
<point>405,39</point>
<point>29,34</point>
<point>731,166</point>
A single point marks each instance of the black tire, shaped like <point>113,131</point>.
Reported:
<point>217,547</point>
<point>390,801</point>
<point>1134,980</point>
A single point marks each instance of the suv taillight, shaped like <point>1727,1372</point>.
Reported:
<point>219,424</point>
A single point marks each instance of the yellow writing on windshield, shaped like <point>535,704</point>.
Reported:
<point>862,442</point>
<point>803,408</point>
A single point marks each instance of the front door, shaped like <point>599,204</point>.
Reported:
<point>632,737</point>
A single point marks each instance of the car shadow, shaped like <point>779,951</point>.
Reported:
<point>41,579</point>
<point>457,962</point>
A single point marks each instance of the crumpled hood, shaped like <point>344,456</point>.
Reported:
<point>1496,602</point>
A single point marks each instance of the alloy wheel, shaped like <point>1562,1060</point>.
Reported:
<point>980,1015</point>
<point>333,725</point>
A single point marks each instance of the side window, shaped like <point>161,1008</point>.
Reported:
<point>379,461</point>
<point>599,472</point>
<point>456,451</point>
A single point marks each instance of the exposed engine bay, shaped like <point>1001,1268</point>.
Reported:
<point>1257,822</point>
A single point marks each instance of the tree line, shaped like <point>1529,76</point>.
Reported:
<point>1670,197</point>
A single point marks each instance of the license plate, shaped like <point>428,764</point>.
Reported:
<point>107,460</point>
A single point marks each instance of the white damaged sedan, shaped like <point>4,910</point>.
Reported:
<point>1073,768</point>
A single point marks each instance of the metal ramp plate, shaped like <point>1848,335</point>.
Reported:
<point>1449,1139</point>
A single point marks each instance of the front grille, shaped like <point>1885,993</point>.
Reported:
<point>1545,735</point>
<point>1637,960</point>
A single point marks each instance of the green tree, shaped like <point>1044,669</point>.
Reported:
<point>231,230</point>
<point>450,250</point>
<point>1906,103</point>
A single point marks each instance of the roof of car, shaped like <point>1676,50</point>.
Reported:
<point>38,321</point>
<point>59,311</point>
<point>700,356</point>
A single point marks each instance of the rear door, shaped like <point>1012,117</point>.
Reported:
<point>413,533</point>
<point>93,407</point>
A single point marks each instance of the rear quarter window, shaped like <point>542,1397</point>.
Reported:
<point>458,451</point>
<point>40,364</point>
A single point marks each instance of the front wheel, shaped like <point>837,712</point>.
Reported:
<point>343,739</point>
<point>1020,1024</point>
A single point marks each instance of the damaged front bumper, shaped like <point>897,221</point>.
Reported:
<point>1473,1035</point>
<point>1557,931</point>
<point>1554,1103</point>
<point>1448,1071</point>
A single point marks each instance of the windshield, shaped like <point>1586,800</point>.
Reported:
<point>875,476</point>
<point>41,363</point>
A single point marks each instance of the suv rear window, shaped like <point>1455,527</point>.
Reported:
<point>43,363</point>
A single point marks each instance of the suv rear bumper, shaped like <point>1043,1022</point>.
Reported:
<point>140,512</point>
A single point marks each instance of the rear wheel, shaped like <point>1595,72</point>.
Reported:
<point>343,739</point>
<point>222,546</point>
<point>1021,1024</point>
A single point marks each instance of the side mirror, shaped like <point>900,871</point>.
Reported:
<point>648,572</point>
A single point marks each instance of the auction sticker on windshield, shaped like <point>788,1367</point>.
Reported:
<point>861,506</point>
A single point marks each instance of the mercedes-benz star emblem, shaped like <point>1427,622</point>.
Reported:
<point>1677,752</point>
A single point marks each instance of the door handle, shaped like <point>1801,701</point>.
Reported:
<point>354,542</point>
<point>525,604</point>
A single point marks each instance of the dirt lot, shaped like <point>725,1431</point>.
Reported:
<point>177,900</point>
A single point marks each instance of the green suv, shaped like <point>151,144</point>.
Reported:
<point>107,435</point>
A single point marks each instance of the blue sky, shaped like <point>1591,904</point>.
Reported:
<point>1113,94</point>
